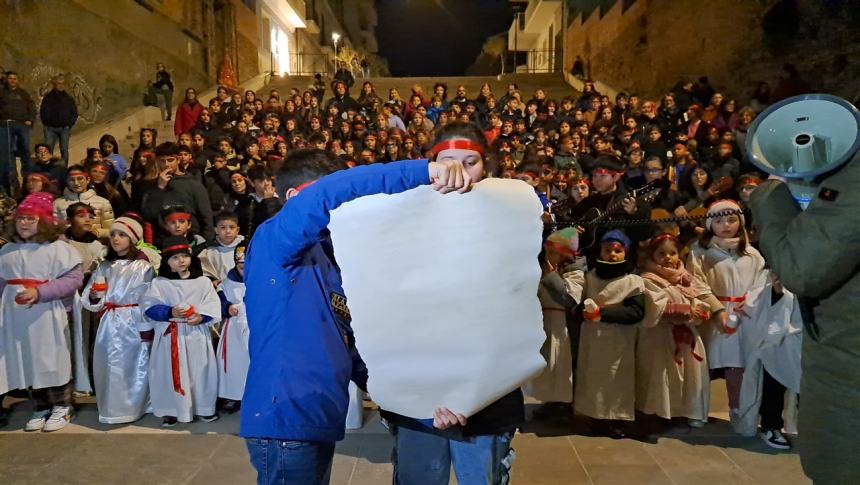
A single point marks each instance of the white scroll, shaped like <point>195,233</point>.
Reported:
<point>443,293</point>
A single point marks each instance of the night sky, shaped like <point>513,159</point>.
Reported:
<point>437,37</point>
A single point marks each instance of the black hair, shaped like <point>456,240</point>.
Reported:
<point>110,139</point>
<point>258,172</point>
<point>305,165</point>
<point>166,149</point>
<point>196,269</point>
<point>70,210</point>
<point>226,216</point>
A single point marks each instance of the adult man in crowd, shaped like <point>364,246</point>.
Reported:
<point>59,114</point>
<point>19,111</point>
<point>816,254</point>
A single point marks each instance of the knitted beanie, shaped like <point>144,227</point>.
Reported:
<point>129,227</point>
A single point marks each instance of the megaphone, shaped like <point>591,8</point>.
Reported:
<point>803,139</point>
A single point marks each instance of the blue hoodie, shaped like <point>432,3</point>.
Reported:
<point>301,343</point>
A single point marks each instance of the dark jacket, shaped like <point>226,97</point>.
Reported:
<point>58,109</point>
<point>182,190</point>
<point>162,80</point>
<point>260,211</point>
<point>17,105</point>
<point>344,103</point>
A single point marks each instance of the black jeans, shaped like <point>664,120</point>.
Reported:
<point>772,402</point>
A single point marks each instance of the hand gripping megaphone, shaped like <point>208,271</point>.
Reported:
<point>803,139</point>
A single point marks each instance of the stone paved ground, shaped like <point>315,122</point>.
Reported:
<point>90,453</point>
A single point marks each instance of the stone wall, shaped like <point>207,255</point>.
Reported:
<point>647,46</point>
<point>106,49</point>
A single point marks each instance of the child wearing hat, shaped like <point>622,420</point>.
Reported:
<point>232,353</point>
<point>723,259</point>
<point>39,275</point>
<point>182,304</point>
<point>613,305</point>
<point>124,336</point>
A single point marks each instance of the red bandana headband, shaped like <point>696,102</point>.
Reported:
<point>458,144</point>
<point>178,216</point>
<point>177,247</point>
<point>662,237</point>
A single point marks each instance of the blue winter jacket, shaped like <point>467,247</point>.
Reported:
<point>301,345</point>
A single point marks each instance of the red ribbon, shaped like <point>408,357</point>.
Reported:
<point>113,306</point>
<point>224,347</point>
<point>732,299</point>
<point>459,144</point>
<point>177,247</point>
<point>174,358</point>
<point>682,335</point>
<point>26,283</point>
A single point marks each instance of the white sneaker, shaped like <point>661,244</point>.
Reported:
<point>37,420</point>
<point>60,417</point>
<point>775,439</point>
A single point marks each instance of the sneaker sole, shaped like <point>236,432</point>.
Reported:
<point>33,430</point>
<point>776,446</point>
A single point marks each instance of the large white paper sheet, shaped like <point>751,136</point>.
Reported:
<point>443,293</point>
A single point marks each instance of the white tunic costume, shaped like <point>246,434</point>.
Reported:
<point>606,364</point>
<point>671,362</point>
<point>183,374</point>
<point>34,342</point>
<point>120,357</point>
<point>217,259</point>
<point>731,277</point>
<point>555,383</point>
<point>233,358</point>
<point>772,342</point>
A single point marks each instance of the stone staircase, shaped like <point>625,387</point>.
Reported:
<point>129,142</point>
<point>554,84</point>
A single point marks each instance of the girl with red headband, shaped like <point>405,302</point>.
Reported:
<point>39,275</point>
<point>723,259</point>
<point>671,367</point>
<point>124,336</point>
<point>182,304</point>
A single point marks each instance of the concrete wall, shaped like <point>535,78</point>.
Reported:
<point>106,48</point>
<point>647,46</point>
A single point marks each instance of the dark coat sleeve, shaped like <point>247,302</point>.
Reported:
<point>629,312</point>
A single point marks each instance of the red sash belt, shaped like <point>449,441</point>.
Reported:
<point>732,299</point>
<point>224,347</point>
<point>26,283</point>
<point>684,336</point>
<point>113,306</point>
<point>174,357</point>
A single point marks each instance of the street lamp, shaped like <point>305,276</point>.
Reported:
<point>335,37</point>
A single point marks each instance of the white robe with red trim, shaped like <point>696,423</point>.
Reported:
<point>233,358</point>
<point>187,385</point>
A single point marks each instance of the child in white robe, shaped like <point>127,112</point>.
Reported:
<point>771,343</point>
<point>671,362</point>
<point>232,353</point>
<point>39,275</point>
<point>183,373</point>
<point>723,260</point>
<point>614,305</point>
<point>217,258</point>
<point>124,336</point>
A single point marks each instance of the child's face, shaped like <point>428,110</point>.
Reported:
<point>227,231</point>
<point>82,222</point>
<point>178,227</point>
<point>260,186</point>
<point>666,255</point>
<point>78,183</point>
<point>612,252</point>
<point>179,263</point>
<point>726,226</point>
<point>26,226</point>
<point>120,242</point>
<point>34,184</point>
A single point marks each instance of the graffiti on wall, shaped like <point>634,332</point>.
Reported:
<point>86,97</point>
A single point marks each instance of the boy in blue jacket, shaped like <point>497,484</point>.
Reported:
<point>301,344</point>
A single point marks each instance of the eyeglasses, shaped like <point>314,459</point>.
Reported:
<point>26,219</point>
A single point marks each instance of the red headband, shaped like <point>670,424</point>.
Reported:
<point>177,216</point>
<point>458,144</point>
<point>178,247</point>
<point>44,178</point>
<point>615,245</point>
<point>662,237</point>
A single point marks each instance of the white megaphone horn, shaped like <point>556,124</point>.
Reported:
<point>803,139</point>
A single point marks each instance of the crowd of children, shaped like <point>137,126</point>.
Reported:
<point>128,273</point>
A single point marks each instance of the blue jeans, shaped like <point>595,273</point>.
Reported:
<point>290,462</point>
<point>425,459</point>
<point>55,134</point>
<point>19,140</point>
